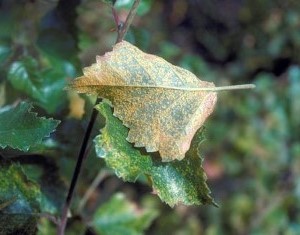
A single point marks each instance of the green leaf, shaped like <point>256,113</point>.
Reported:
<point>22,76</point>
<point>45,86</point>
<point>20,128</point>
<point>117,152</point>
<point>121,217</point>
<point>21,200</point>
<point>174,182</point>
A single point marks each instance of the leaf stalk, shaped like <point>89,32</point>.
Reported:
<point>228,88</point>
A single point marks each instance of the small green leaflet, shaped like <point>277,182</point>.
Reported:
<point>118,216</point>
<point>175,182</point>
<point>20,128</point>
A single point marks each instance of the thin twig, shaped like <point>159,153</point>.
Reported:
<point>64,217</point>
<point>101,175</point>
<point>50,217</point>
<point>124,29</point>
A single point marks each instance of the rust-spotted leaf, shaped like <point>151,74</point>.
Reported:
<point>162,105</point>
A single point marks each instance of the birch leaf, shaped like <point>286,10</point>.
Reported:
<point>20,128</point>
<point>174,182</point>
<point>162,105</point>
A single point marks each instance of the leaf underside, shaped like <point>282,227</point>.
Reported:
<point>157,101</point>
<point>174,182</point>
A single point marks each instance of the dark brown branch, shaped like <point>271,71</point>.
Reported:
<point>64,216</point>
<point>123,29</point>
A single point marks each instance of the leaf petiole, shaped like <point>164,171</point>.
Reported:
<point>214,89</point>
<point>227,88</point>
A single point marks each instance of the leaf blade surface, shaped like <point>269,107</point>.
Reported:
<point>162,105</point>
<point>174,182</point>
<point>20,128</point>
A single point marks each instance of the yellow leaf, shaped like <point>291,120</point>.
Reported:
<point>162,105</point>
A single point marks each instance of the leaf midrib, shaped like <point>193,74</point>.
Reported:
<point>208,89</point>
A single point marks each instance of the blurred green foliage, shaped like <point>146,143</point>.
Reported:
<point>252,151</point>
<point>118,216</point>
